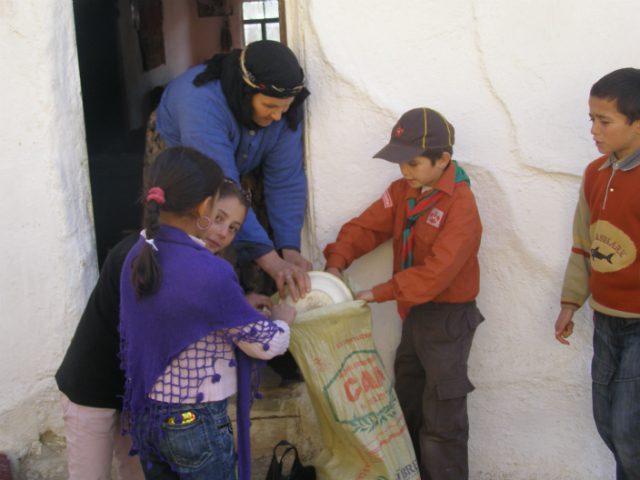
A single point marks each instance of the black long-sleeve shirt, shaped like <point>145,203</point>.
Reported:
<point>90,373</point>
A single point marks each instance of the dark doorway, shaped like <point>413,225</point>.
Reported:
<point>115,153</point>
<point>112,92</point>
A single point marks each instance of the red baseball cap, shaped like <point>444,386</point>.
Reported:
<point>417,130</point>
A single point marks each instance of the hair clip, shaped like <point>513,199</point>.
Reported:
<point>157,194</point>
<point>152,243</point>
<point>246,193</point>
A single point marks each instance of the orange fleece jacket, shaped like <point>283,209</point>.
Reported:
<point>445,256</point>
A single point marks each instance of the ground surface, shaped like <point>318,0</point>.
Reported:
<point>285,413</point>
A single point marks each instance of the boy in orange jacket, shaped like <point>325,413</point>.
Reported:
<point>431,215</point>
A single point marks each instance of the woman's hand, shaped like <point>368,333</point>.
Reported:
<point>292,256</point>
<point>283,312</point>
<point>366,295</point>
<point>564,325</point>
<point>259,302</point>
<point>285,273</point>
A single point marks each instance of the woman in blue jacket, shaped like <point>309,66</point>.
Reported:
<point>243,109</point>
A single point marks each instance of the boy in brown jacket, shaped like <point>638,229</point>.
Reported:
<point>431,215</point>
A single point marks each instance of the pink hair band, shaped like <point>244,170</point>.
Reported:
<point>157,194</point>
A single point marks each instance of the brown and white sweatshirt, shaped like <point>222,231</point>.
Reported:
<point>604,261</point>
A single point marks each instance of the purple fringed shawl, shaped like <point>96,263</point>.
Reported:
<point>199,294</point>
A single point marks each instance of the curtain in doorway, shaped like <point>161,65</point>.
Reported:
<point>150,35</point>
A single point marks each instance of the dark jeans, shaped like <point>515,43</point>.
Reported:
<point>198,450</point>
<point>615,371</point>
<point>432,385</point>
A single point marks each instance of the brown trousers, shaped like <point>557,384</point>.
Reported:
<point>432,385</point>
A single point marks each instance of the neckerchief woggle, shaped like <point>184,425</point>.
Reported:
<point>414,211</point>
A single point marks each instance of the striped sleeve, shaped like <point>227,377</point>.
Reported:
<point>575,288</point>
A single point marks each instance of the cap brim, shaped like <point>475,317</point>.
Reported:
<point>399,153</point>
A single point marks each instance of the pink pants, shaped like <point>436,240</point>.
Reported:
<point>93,439</point>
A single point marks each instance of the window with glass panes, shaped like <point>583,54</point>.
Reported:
<point>261,21</point>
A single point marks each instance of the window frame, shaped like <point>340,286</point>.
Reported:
<point>263,21</point>
<point>263,24</point>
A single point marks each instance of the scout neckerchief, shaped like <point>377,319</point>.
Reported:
<point>414,211</point>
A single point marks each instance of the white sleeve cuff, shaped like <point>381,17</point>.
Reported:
<point>277,345</point>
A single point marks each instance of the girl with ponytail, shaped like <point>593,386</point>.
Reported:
<point>183,314</point>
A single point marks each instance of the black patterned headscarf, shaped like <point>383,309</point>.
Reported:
<point>265,67</point>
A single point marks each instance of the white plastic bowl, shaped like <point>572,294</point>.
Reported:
<point>325,290</point>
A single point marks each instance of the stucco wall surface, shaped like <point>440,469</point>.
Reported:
<point>513,78</point>
<point>47,244</point>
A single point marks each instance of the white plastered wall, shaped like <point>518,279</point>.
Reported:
<point>513,77</point>
<point>47,247</point>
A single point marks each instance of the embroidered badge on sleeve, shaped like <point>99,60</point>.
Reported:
<point>386,199</point>
<point>435,217</point>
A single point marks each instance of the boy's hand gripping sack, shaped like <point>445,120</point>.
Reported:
<point>363,429</point>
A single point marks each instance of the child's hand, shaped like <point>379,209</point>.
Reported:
<point>334,271</point>
<point>258,302</point>
<point>283,312</point>
<point>366,295</point>
<point>564,325</point>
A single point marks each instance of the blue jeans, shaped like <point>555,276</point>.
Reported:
<point>615,372</point>
<point>199,450</point>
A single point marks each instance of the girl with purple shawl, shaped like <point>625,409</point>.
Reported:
<point>182,315</point>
